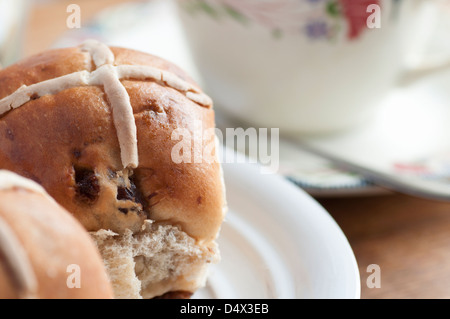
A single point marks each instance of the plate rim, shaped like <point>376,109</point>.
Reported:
<point>248,174</point>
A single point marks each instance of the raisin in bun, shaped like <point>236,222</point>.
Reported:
<point>94,125</point>
<point>44,251</point>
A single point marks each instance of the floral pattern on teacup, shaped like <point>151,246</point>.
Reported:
<point>317,19</point>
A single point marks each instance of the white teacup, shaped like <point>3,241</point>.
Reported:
<point>310,66</point>
<point>12,19</point>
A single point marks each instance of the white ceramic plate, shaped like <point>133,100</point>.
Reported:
<point>278,242</point>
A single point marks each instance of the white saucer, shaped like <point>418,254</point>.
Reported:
<point>407,141</point>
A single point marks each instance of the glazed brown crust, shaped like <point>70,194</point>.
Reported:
<point>52,240</point>
<point>52,138</point>
<point>41,67</point>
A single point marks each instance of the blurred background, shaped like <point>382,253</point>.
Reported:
<point>363,112</point>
